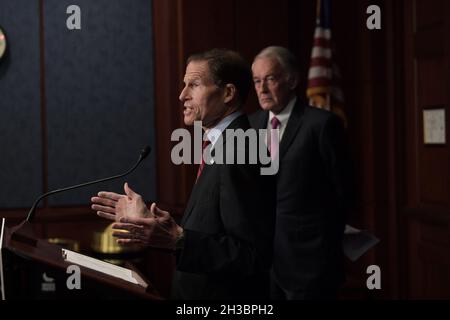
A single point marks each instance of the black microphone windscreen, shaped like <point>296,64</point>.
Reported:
<point>145,152</point>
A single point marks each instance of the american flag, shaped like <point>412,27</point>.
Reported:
<point>324,77</point>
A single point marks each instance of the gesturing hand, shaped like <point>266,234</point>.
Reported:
<point>159,230</point>
<point>113,206</point>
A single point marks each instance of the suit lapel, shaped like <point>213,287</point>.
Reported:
<point>294,123</point>
<point>240,122</point>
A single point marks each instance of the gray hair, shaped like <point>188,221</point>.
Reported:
<point>284,57</point>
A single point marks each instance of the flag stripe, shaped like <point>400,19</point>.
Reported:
<point>318,52</point>
<point>321,33</point>
<point>321,42</point>
<point>320,62</point>
<point>319,72</point>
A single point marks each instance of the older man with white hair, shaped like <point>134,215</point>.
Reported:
<point>312,182</point>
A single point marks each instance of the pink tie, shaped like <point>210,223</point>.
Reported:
<point>274,137</point>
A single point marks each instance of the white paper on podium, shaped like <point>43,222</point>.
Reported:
<point>357,242</point>
<point>2,280</point>
<point>103,267</point>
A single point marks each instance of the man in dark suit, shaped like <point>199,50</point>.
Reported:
<point>225,239</point>
<point>312,182</point>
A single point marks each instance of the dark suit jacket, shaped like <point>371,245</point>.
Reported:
<point>312,194</point>
<point>229,227</point>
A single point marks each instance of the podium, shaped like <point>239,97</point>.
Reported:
<point>32,268</point>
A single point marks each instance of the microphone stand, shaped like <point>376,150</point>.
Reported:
<point>24,231</point>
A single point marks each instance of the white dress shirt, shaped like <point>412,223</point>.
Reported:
<point>214,133</point>
<point>283,117</point>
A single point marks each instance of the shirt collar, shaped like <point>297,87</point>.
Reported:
<point>283,116</point>
<point>214,133</point>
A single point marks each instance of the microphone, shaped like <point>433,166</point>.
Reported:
<point>144,153</point>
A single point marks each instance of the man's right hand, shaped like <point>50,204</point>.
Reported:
<point>113,206</point>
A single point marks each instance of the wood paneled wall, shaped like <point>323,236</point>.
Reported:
<point>426,204</point>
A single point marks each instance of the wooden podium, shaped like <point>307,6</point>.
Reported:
<point>32,268</point>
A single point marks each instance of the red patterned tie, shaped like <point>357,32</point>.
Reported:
<point>274,137</point>
<point>202,162</point>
